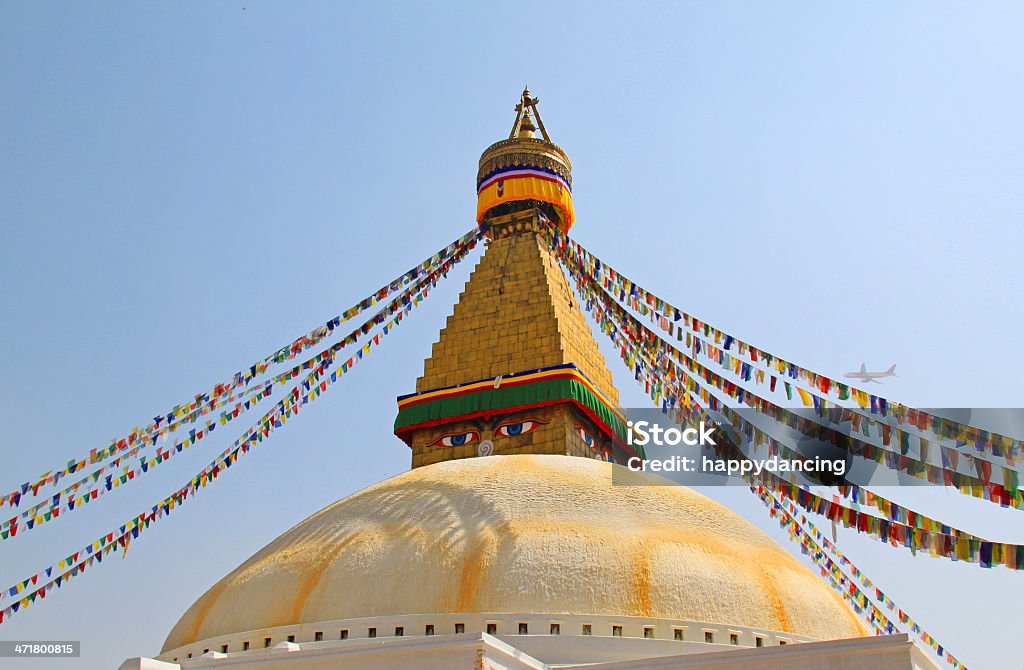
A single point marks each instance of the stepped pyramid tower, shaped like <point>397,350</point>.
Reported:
<point>517,339</point>
<point>507,545</point>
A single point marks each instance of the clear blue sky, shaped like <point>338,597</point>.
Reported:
<point>186,186</point>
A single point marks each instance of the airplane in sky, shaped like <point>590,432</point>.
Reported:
<point>865,376</point>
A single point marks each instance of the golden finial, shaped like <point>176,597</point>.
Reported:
<point>523,126</point>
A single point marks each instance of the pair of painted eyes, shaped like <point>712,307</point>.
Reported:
<point>588,439</point>
<point>512,429</point>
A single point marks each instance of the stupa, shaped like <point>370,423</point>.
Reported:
<point>507,545</point>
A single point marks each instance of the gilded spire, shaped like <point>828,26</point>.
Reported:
<point>516,369</point>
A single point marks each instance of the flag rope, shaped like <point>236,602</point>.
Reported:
<point>55,507</point>
<point>819,553</point>
<point>839,581</point>
<point>1006,494</point>
<point>313,386</point>
<point>880,596</point>
<point>159,425</point>
<point>956,544</point>
<point>667,316</point>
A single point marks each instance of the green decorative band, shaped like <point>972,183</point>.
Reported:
<point>565,388</point>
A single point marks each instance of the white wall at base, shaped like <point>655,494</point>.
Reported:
<point>505,624</point>
<point>472,651</point>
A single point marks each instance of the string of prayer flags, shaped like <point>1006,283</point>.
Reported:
<point>661,379</point>
<point>608,312</point>
<point>880,596</point>
<point>905,526</point>
<point>933,537</point>
<point>818,548</point>
<point>879,422</point>
<point>728,349</point>
<point>243,378</point>
<point>74,496</point>
<point>69,567</point>
<point>927,534</point>
<point>828,568</point>
<point>901,525</point>
<point>63,502</point>
<point>24,593</point>
<point>917,532</point>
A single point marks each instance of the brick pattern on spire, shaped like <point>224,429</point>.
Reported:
<point>517,312</point>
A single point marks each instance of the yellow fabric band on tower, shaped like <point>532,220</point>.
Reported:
<point>527,187</point>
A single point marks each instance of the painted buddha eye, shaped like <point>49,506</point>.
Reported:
<point>587,437</point>
<point>456,439</point>
<point>517,428</point>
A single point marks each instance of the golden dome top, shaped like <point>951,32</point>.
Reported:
<point>524,169</point>
<point>539,534</point>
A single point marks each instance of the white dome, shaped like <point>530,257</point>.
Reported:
<point>543,534</point>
